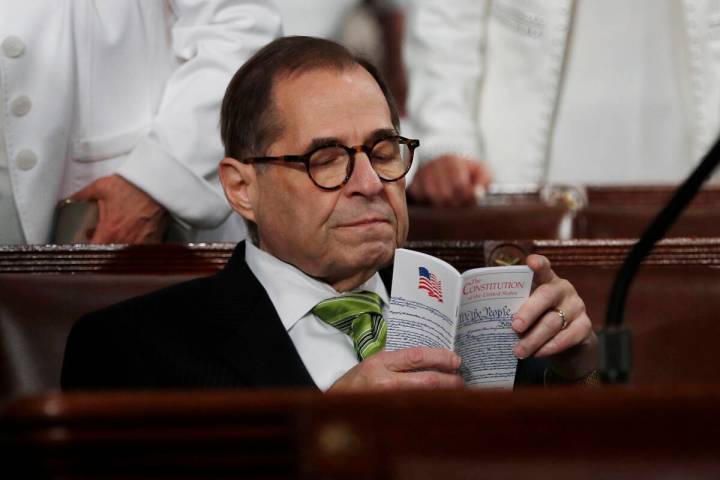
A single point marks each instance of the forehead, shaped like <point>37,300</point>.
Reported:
<point>344,104</point>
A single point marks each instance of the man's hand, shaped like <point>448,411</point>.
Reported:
<point>399,370</point>
<point>573,349</point>
<point>126,214</point>
<point>449,181</point>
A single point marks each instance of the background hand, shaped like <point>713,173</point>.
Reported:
<point>449,181</point>
<point>397,370</point>
<point>126,214</point>
<point>573,350</point>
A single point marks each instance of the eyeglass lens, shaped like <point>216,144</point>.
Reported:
<point>389,158</point>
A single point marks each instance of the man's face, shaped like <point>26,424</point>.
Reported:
<point>341,236</point>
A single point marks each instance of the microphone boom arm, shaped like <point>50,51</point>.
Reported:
<point>614,339</point>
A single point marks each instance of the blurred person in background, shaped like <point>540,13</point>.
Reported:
<point>560,91</point>
<point>118,102</point>
<point>373,28</point>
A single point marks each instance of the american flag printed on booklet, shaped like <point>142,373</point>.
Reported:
<point>429,282</point>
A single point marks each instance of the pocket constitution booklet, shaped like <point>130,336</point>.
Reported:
<point>433,305</point>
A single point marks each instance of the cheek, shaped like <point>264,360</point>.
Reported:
<point>396,198</point>
<point>298,215</point>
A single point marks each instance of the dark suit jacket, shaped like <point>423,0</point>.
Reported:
<point>215,332</point>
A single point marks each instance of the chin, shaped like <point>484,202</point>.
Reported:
<point>373,248</point>
<point>355,263</point>
<point>375,254</point>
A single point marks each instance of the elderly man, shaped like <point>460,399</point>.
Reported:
<point>315,164</point>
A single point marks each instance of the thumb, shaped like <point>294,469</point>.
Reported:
<point>90,192</point>
<point>480,174</point>
<point>540,265</point>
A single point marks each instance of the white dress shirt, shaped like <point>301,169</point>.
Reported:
<point>326,352</point>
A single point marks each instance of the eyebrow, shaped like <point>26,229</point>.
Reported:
<point>376,135</point>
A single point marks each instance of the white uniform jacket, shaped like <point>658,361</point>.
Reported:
<point>131,87</point>
<point>453,67</point>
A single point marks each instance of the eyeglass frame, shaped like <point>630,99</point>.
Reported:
<point>411,143</point>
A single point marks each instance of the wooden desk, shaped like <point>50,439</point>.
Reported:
<point>625,212</point>
<point>610,212</point>
<point>617,433</point>
<point>518,219</point>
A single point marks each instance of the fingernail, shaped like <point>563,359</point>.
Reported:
<point>519,352</point>
<point>517,324</point>
<point>457,362</point>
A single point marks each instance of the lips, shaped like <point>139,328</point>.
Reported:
<point>361,214</point>
<point>364,222</point>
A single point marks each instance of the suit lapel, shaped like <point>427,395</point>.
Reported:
<point>254,340</point>
<point>250,335</point>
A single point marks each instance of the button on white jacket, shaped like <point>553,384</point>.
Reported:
<point>130,87</point>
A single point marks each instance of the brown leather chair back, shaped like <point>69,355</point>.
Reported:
<point>45,288</point>
<point>36,313</point>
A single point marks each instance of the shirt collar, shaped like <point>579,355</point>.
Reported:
<point>294,293</point>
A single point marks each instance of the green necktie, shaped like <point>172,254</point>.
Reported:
<point>358,315</point>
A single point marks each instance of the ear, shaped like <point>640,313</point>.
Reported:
<point>239,182</point>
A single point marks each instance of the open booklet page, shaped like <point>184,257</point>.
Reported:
<point>485,338</point>
<point>424,302</point>
<point>432,305</point>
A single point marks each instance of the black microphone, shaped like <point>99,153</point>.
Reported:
<point>615,340</point>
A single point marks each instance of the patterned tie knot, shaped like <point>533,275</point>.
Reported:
<point>358,315</point>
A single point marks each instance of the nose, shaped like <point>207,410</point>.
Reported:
<point>364,179</point>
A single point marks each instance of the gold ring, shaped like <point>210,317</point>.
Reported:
<point>563,317</point>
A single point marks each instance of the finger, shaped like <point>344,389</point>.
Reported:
<point>480,174</point>
<point>576,332</point>
<point>448,181</point>
<point>461,180</point>
<point>432,187</point>
<point>540,265</point>
<point>103,233</point>
<point>428,380</point>
<point>414,189</point>
<point>102,236</point>
<point>421,358</point>
<point>549,325</point>
<point>90,192</point>
<point>420,185</point>
<point>544,298</point>
<point>465,188</point>
<point>443,184</point>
